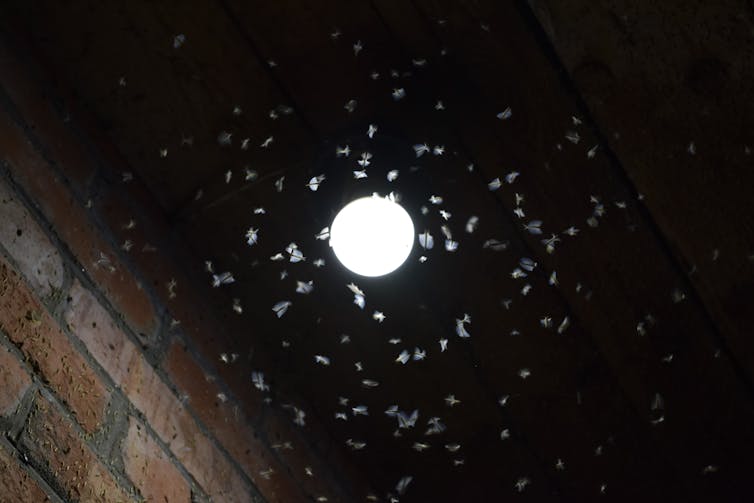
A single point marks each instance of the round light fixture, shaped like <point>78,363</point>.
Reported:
<point>372,236</point>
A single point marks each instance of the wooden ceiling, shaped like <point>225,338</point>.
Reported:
<point>658,292</point>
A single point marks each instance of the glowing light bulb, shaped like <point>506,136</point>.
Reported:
<point>372,236</point>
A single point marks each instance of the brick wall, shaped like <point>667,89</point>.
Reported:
<point>110,383</point>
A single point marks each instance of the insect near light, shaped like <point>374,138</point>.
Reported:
<point>372,236</point>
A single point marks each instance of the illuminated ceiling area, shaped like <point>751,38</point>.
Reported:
<point>565,315</point>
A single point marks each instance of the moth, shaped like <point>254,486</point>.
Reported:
<point>461,327</point>
<point>179,40</point>
<point>315,182</point>
<point>573,137</point>
<point>472,223</point>
<point>342,151</point>
<point>403,357</point>
<point>406,421</point>
<point>360,410</point>
<point>435,426</point>
<point>420,149</point>
<point>399,94</point>
<point>364,161</point>
<point>258,379</point>
<point>369,383</point>
<point>294,254</point>
<point>451,400</point>
<point>534,227</point>
<point>252,236</point>
<point>426,240</point>
<point>281,307</point>
<point>304,287</point>
<point>322,360</point>
<point>267,142</point>
<point>224,278</point>
<point>495,245</point>
<point>402,484</point>
<point>323,235</point>
<point>505,114</point>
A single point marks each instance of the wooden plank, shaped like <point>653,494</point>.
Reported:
<point>169,94</point>
<point>519,75</point>
<point>337,17</point>
<point>691,86</point>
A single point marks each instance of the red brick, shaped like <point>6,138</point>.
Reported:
<point>48,349</point>
<point>53,441</point>
<point>15,484</point>
<point>152,397</point>
<point>150,469</point>
<point>74,226</point>
<point>227,422</point>
<point>36,257</point>
<point>14,381</point>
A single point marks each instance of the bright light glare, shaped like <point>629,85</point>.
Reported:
<point>372,236</point>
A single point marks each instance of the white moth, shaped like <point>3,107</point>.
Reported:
<point>472,223</point>
<point>258,379</point>
<point>420,149</point>
<point>403,357</point>
<point>505,114</point>
<point>304,287</point>
<point>322,360</point>
<point>294,254</point>
<point>315,182</point>
<point>342,151</point>
<point>224,278</point>
<point>281,307</point>
<point>426,240</point>
<point>323,235</point>
<point>252,236</point>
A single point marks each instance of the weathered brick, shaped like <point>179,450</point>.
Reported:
<point>37,258</point>
<point>150,469</point>
<point>153,398</point>
<point>74,226</point>
<point>227,422</point>
<point>51,440</point>
<point>15,484</point>
<point>30,327</point>
<point>14,381</point>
